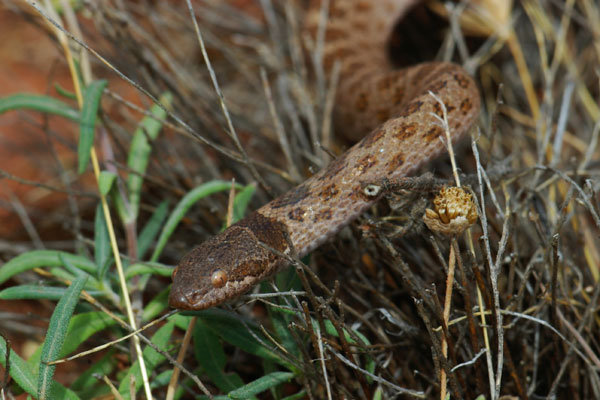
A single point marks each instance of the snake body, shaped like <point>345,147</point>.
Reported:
<point>371,94</point>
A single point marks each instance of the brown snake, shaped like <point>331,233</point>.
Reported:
<point>371,94</point>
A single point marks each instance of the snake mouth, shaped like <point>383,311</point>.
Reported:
<point>189,300</point>
<point>183,298</point>
<point>179,300</point>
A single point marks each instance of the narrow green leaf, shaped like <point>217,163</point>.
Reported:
<point>62,273</point>
<point>69,267</point>
<point>162,380</point>
<point>261,384</point>
<point>81,327</point>
<point>241,201</point>
<point>88,386</point>
<point>43,258</point>
<point>285,280</point>
<point>30,292</point>
<point>23,375</point>
<point>63,393</point>
<point>206,189</point>
<point>151,229</point>
<point>64,92</point>
<point>102,252</point>
<point>208,349</point>
<point>209,353</point>
<point>156,306</point>
<point>296,396</point>
<point>44,104</point>
<point>76,5</point>
<point>139,152</point>
<point>281,317</point>
<point>330,329</point>
<point>148,268</point>
<point>151,358</point>
<point>19,370</point>
<point>106,181</point>
<point>181,321</point>
<point>370,366</point>
<point>369,362</point>
<point>55,337</point>
<point>281,322</point>
<point>233,330</point>
<point>87,125</point>
<point>378,395</point>
<point>288,279</point>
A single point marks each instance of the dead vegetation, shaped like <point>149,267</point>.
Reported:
<point>371,316</point>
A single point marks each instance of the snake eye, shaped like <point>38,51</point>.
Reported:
<point>218,278</point>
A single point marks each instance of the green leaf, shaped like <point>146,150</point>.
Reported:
<point>102,251</point>
<point>330,329</point>
<point>232,329</point>
<point>55,337</point>
<point>162,380</point>
<point>181,321</point>
<point>29,292</point>
<point>151,358</point>
<point>378,395</point>
<point>43,258</point>
<point>369,362</point>
<point>208,349</point>
<point>106,181</point>
<point>45,104</point>
<point>19,370</point>
<point>151,229</point>
<point>281,322</point>
<point>148,268</point>
<point>209,353</point>
<point>23,375</point>
<point>156,306</point>
<point>87,125</point>
<point>296,396</point>
<point>206,189</point>
<point>64,92</point>
<point>68,266</point>
<point>76,5</point>
<point>88,386</point>
<point>261,384</point>
<point>139,152</point>
<point>241,201</point>
<point>81,327</point>
<point>285,280</point>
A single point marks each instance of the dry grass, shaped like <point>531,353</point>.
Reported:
<point>524,316</point>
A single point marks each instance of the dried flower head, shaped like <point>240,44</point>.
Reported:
<point>454,211</point>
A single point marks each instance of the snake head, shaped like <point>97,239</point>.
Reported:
<point>227,265</point>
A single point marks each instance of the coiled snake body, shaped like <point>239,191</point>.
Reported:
<point>397,103</point>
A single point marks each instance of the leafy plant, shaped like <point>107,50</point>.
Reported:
<point>72,323</point>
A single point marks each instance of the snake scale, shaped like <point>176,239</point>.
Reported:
<point>394,105</point>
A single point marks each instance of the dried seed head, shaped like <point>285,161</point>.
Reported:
<point>454,211</point>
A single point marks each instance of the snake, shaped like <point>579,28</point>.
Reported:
<point>401,108</point>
